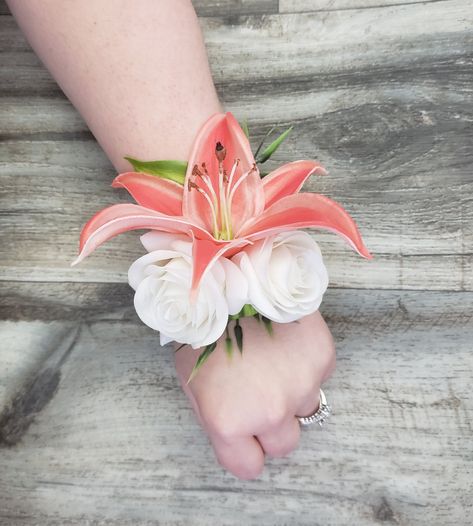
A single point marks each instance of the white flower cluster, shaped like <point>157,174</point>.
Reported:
<point>282,276</point>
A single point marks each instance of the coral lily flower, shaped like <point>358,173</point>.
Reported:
<point>224,204</point>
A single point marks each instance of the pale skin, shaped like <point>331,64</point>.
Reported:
<point>138,74</point>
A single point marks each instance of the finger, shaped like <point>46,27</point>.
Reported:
<point>242,456</point>
<point>330,366</point>
<point>325,353</point>
<point>280,441</point>
<point>309,404</point>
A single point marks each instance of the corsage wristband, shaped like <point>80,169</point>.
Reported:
<point>224,239</point>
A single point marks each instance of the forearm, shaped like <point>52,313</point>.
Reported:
<point>136,71</point>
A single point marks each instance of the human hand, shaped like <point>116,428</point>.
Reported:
<point>247,404</point>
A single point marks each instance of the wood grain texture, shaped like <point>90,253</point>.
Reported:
<point>117,441</point>
<point>94,428</point>
<point>235,7</point>
<point>293,46</point>
<point>298,6</point>
<point>20,358</point>
<point>65,301</point>
<point>214,7</point>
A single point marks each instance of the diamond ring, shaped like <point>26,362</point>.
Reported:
<point>320,415</point>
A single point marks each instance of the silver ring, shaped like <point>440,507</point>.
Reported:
<point>320,415</point>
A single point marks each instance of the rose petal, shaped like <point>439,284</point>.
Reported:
<point>236,286</point>
<point>137,270</point>
<point>163,241</point>
<point>164,340</point>
<point>258,297</point>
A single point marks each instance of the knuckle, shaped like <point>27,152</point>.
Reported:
<point>326,354</point>
<point>282,448</point>
<point>276,412</point>
<point>221,424</point>
<point>306,381</point>
<point>327,349</point>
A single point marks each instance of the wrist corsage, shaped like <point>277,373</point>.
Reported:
<point>224,239</point>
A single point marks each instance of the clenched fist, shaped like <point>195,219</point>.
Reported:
<point>247,404</point>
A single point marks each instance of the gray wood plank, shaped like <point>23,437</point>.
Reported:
<point>21,357</point>
<point>300,6</point>
<point>117,442</point>
<point>65,301</point>
<point>231,8</point>
<point>214,7</point>
<point>291,45</point>
<point>51,297</point>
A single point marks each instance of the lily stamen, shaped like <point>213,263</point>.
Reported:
<point>221,203</point>
<point>238,183</point>
<point>191,185</point>
<point>220,153</point>
<point>205,177</point>
<point>232,173</point>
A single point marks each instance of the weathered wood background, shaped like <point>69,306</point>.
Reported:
<point>94,428</point>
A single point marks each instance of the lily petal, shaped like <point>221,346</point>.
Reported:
<point>205,253</point>
<point>152,192</point>
<point>307,210</point>
<point>116,219</point>
<point>249,197</point>
<point>288,179</point>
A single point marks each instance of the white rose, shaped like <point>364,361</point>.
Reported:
<point>162,281</point>
<point>286,275</point>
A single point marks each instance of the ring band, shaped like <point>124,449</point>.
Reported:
<point>320,415</point>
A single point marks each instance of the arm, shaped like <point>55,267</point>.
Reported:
<point>141,80</point>
<point>138,76</point>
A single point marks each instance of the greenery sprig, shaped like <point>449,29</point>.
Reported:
<point>248,311</point>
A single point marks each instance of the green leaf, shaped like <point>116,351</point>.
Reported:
<point>238,335</point>
<point>172,170</point>
<point>228,343</point>
<point>244,127</point>
<point>262,141</point>
<point>268,325</point>
<point>228,346</point>
<point>209,349</point>
<point>247,310</point>
<point>269,150</point>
